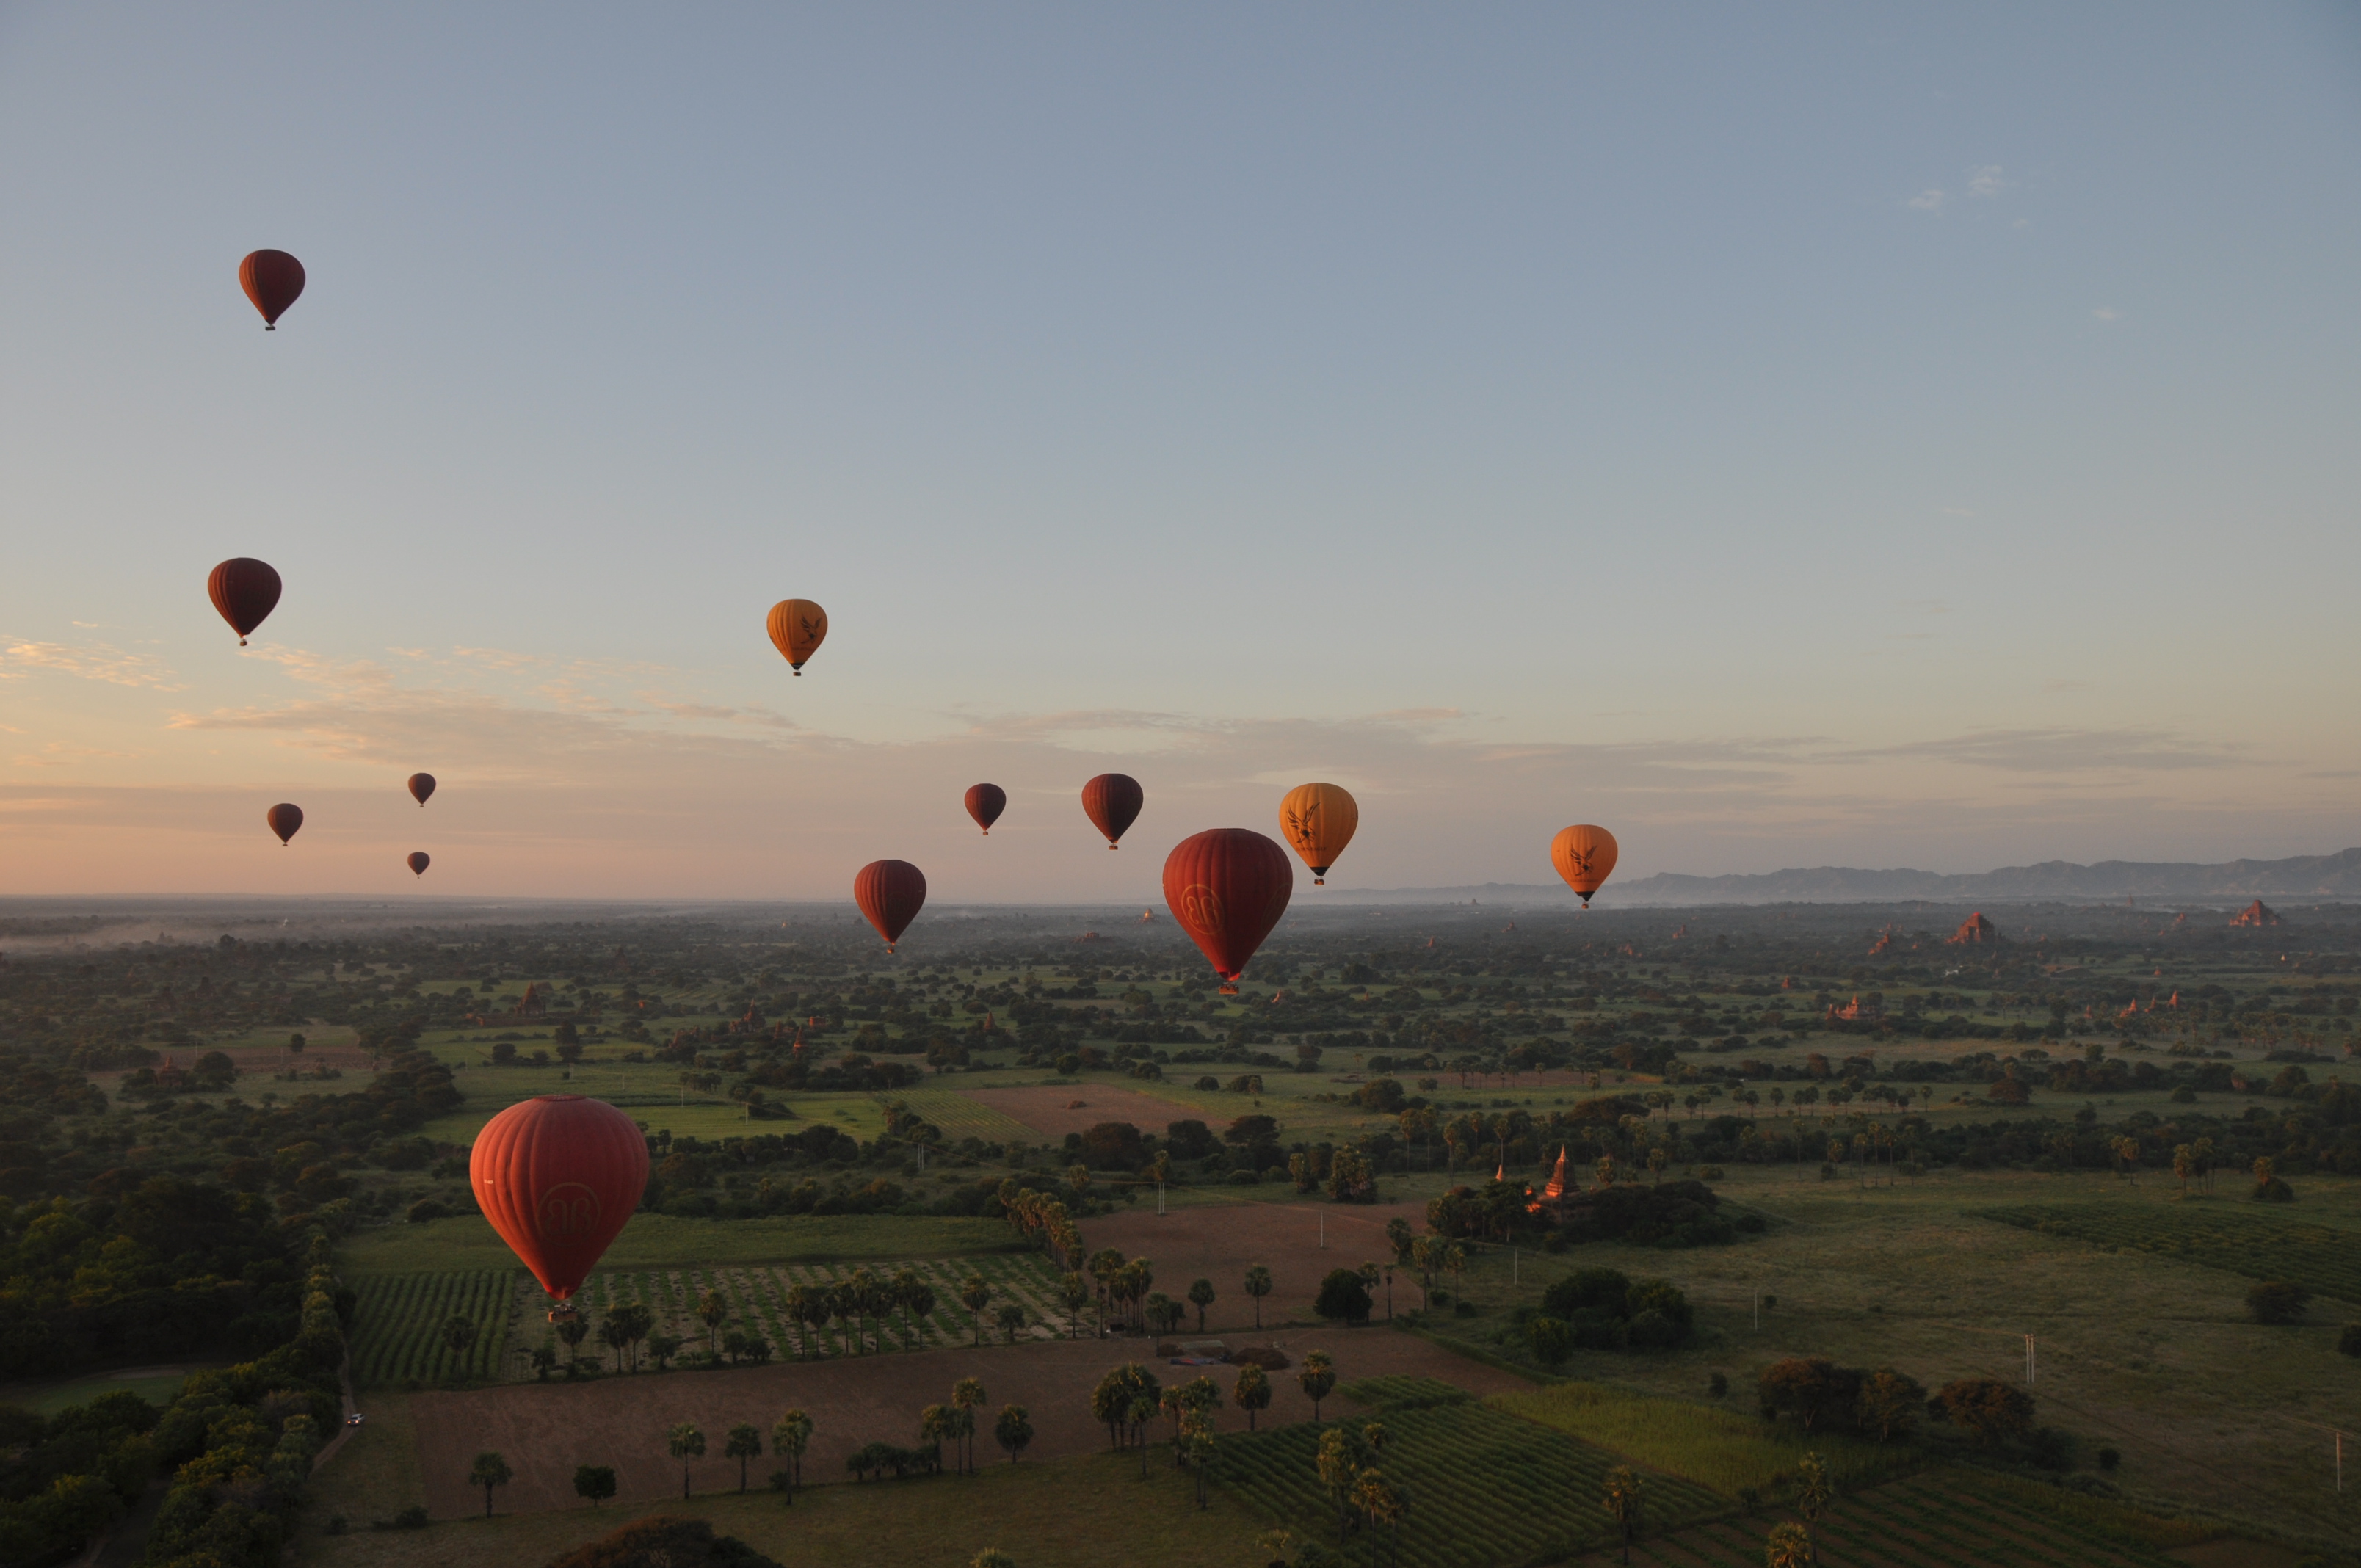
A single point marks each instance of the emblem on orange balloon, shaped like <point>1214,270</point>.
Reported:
<point>798,629</point>
<point>1585,856</point>
<point>1318,820</point>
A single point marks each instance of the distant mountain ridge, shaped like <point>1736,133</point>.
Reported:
<point>2337,876</point>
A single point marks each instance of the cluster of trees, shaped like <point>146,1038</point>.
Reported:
<point>1601,1309</point>
<point>1885,1405</point>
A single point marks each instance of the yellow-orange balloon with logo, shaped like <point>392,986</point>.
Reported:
<point>1317,821</point>
<point>1585,856</point>
<point>797,627</point>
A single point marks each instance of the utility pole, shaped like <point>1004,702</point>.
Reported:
<point>2030,1364</point>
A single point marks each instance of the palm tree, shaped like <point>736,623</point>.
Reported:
<point>1144,1407</point>
<point>615,1337</point>
<point>1336,1472</point>
<point>921,1302</point>
<point>638,1320</point>
<point>789,1437</point>
<point>936,1424</point>
<point>1789,1546</point>
<point>686,1444</point>
<point>1013,1431</point>
<point>711,1309</point>
<point>1317,1378</point>
<point>490,1471</point>
<point>1200,1296</point>
<point>573,1331</point>
<point>1379,1503</point>
<point>1073,1293</point>
<point>743,1443</point>
<point>1012,1319</point>
<point>1812,1491</point>
<point>974,1296</point>
<point>862,1293</point>
<point>966,1395</point>
<point>798,1303</point>
<point>1623,1503</point>
<point>906,1285</point>
<point>1251,1393</point>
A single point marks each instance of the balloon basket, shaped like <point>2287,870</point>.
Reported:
<point>562,1312</point>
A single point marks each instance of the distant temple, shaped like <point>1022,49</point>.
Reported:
<point>1555,1194</point>
<point>1975,928</point>
<point>534,1002</point>
<point>1857,1012</point>
<point>2255,913</point>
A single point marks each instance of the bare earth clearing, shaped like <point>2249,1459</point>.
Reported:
<point>547,1430</point>
<point>1221,1242</point>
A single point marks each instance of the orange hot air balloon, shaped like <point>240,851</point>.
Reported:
<point>245,591</point>
<point>985,803</point>
<point>421,786</point>
<point>798,629</point>
<point>558,1175</point>
<point>419,861</point>
<point>1585,856</point>
<point>284,819</point>
<point>1112,803</point>
<point>890,893</point>
<point>1318,820</point>
<point>273,280</point>
<point>1227,887</point>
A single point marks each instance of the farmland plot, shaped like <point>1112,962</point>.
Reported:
<point>2321,1258</point>
<point>398,1326</point>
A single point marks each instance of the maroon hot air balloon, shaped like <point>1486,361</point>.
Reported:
<point>890,893</point>
<point>985,803</point>
<point>419,861</point>
<point>558,1177</point>
<point>273,280</point>
<point>421,786</point>
<point>284,819</point>
<point>1112,802</point>
<point>245,591</point>
<point>1227,886</point>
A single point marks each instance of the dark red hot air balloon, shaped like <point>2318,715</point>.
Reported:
<point>1227,887</point>
<point>421,786</point>
<point>245,591</point>
<point>1112,802</point>
<point>284,819</point>
<point>419,861</point>
<point>273,280</point>
<point>985,803</point>
<point>890,893</point>
<point>557,1176</point>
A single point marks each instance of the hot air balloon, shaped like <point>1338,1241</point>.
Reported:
<point>558,1175</point>
<point>798,629</point>
<point>284,819</point>
<point>421,786</point>
<point>1227,886</point>
<point>1112,802</point>
<point>419,861</point>
<point>890,893</point>
<point>1585,856</point>
<point>1317,820</point>
<point>273,280</point>
<point>985,803</point>
<point>245,591</point>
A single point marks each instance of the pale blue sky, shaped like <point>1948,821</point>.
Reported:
<point>1789,434</point>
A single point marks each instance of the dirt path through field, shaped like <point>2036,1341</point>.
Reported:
<point>545,1430</point>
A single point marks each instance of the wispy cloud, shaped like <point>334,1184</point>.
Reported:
<point>94,662</point>
<point>60,754</point>
<point>1928,201</point>
<point>2108,313</point>
<point>1986,180</point>
<point>2062,750</point>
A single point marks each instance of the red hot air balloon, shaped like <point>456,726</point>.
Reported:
<point>245,591</point>
<point>419,861</point>
<point>284,819</point>
<point>273,280</point>
<point>557,1176</point>
<point>421,786</point>
<point>985,803</point>
<point>890,893</point>
<point>1227,886</point>
<point>1112,802</point>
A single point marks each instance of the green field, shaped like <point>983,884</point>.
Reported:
<point>2250,1240</point>
<point>157,1391</point>
<point>1714,1446</point>
<point>397,1335</point>
<point>656,1241</point>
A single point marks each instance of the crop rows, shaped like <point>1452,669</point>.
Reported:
<point>398,1326</point>
<point>2321,1258</point>
<point>959,1117</point>
<point>1484,1488</point>
<point>757,1302</point>
<point>1924,1522</point>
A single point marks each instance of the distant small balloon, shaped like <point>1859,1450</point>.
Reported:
<point>421,786</point>
<point>890,893</point>
<point>986,802</point>
<point>284,819</point>
<point>419,861</point>
<point>1113,801</point>
<point>797,627</point>
<point>273,280</point>
<point>245,591</point>
<point>1585,856</point>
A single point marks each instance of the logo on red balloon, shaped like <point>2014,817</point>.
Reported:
<point>567,1213</point>
<point>1200,909</point>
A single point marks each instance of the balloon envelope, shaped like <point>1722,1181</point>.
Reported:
<point>421,786</point>
<point>558,1175</point>
<point>985,803</point>
<point>1318,820</point>
<point>1112,802</point>
<point>273,280</point>
<point>1585,856</point>
<point>284,819</point>
<point>798,629</point>
<point>890,893</point>
<point>1227,887</point>
<point>245,591</point>
<point>419,861</point>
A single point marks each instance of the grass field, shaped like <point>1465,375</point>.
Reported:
<point>1716,1447</point>
<point>397,1334</point>
<point>49,1401</point>
<point>2248,1239</point>
<point>655,1241</point>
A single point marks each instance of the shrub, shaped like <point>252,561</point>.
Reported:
<point>1552,1340</point>
<point>1993,1412</point>
<point>1812,1390</point>
<point>1718,1384</point>
<point>2109,1458</point>
<point>1343,1294</point>
<point>2349,1341</point>
<point>2277,1301</point>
